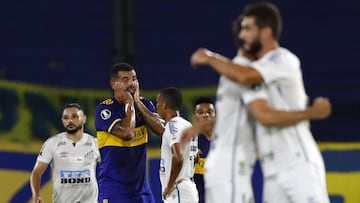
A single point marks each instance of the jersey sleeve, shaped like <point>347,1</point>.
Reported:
<point>148,103</point>
<point>253,94</point>
<point>107,116</point>
<point>277,65</point>
<point>46,152</point>
<point>175,128</point>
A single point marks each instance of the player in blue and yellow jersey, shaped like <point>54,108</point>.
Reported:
<point>122,123</point>
<point>204,110</point>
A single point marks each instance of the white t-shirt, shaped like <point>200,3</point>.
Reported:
<point>232,147</point>
<point>73,167</point>
<point>172,135</point>
<point>283,88</point>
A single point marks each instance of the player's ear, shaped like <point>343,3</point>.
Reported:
<point>112,83</point>
<point>266,32</point>
<point>84,119</point>
<point>164,105</point>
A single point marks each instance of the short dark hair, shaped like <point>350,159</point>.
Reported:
<point>236,28</point>
<point>71,105</point>
<point>204,99</point>
<point>266,15</point>
<point>172,97</point>
<point>119,67</point>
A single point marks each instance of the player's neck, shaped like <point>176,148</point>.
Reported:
<point>75,137</point>
<point>267,47</point>
<point>170,115</point>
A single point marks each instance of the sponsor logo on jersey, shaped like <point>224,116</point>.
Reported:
<point>172,127</point>
<point>105,114</point>
<point>63,154</point>
<point>162,165</point>
<point>268,156</point>
<point>199,166</point>
<point>75,176</point>
<point>193,148</point>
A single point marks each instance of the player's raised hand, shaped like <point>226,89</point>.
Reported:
<point>137,91</point>
<point>201,57</point>
<point>321,108</point>
<point>187,135</point>
<point>122,94</point>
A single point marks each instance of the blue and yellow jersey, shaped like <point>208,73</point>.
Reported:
<point>203,147</point>
<point>123,163</point>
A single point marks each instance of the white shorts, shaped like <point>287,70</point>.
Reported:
<point>185,192</point>
<point>301,184</point>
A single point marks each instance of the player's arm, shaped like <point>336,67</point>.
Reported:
<point>176,165</point>
<point>202,126</point>
<point>126,128</point>
<point>269,117</point>
<point>224,66</point>
<point>152,119</point>
<point>35,180</point>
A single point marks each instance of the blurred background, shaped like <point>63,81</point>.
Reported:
<point>53,52</point>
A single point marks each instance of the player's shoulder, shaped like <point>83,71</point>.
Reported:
<point>90,140</point>
<point>145,100</point>
<point>55,139</point>
<point>148,103</point>
<point>180,121</point>
<point>106,106</point>
<point>89,137</point>
<point>285,54</point>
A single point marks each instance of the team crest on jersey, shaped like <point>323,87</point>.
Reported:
<point>105,114</point>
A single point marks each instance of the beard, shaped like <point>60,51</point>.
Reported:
<point>73,130</point>
<point>254,47</point>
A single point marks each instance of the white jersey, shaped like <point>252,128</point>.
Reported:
<point>283,147</point>
<point>172,135</point>
<point>232,148</point>
<point>73,168</point>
